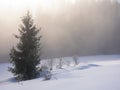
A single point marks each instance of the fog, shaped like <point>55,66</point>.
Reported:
<point>84,27</point>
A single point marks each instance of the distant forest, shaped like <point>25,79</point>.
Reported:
<point>86,28</point>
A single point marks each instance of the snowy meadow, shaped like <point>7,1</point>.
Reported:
<point>92,73</point>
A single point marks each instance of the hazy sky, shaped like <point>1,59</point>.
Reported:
<point>11,12</point>
<point>61,22</point>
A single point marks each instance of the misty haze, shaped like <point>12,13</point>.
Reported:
<point>76,27</point>
<point>59,44</point>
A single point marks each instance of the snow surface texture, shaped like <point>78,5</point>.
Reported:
<point>93,73</point>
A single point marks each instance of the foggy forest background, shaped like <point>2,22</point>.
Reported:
<point>83,28</point>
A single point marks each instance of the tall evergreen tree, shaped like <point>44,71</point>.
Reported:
<point>25,57</point>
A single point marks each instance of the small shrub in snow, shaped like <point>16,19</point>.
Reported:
<point>76,60</point>
<point>59,66</point>
<point>45,72</point>
<point>50,64</point>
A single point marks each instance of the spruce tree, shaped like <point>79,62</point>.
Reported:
<point>25,57</point>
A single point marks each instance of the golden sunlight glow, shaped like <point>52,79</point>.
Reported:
<point>32,5</point>
<point>72,1</point>
<point>21,6</point>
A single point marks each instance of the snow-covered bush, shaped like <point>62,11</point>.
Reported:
<point>50,64</point>
<point>45,72</point>
<point>76,60</point>
<point>60,63</point>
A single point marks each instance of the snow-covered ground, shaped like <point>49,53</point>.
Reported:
<point>93,73</point>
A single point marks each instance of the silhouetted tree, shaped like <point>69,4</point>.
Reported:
<point>25,57</point>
